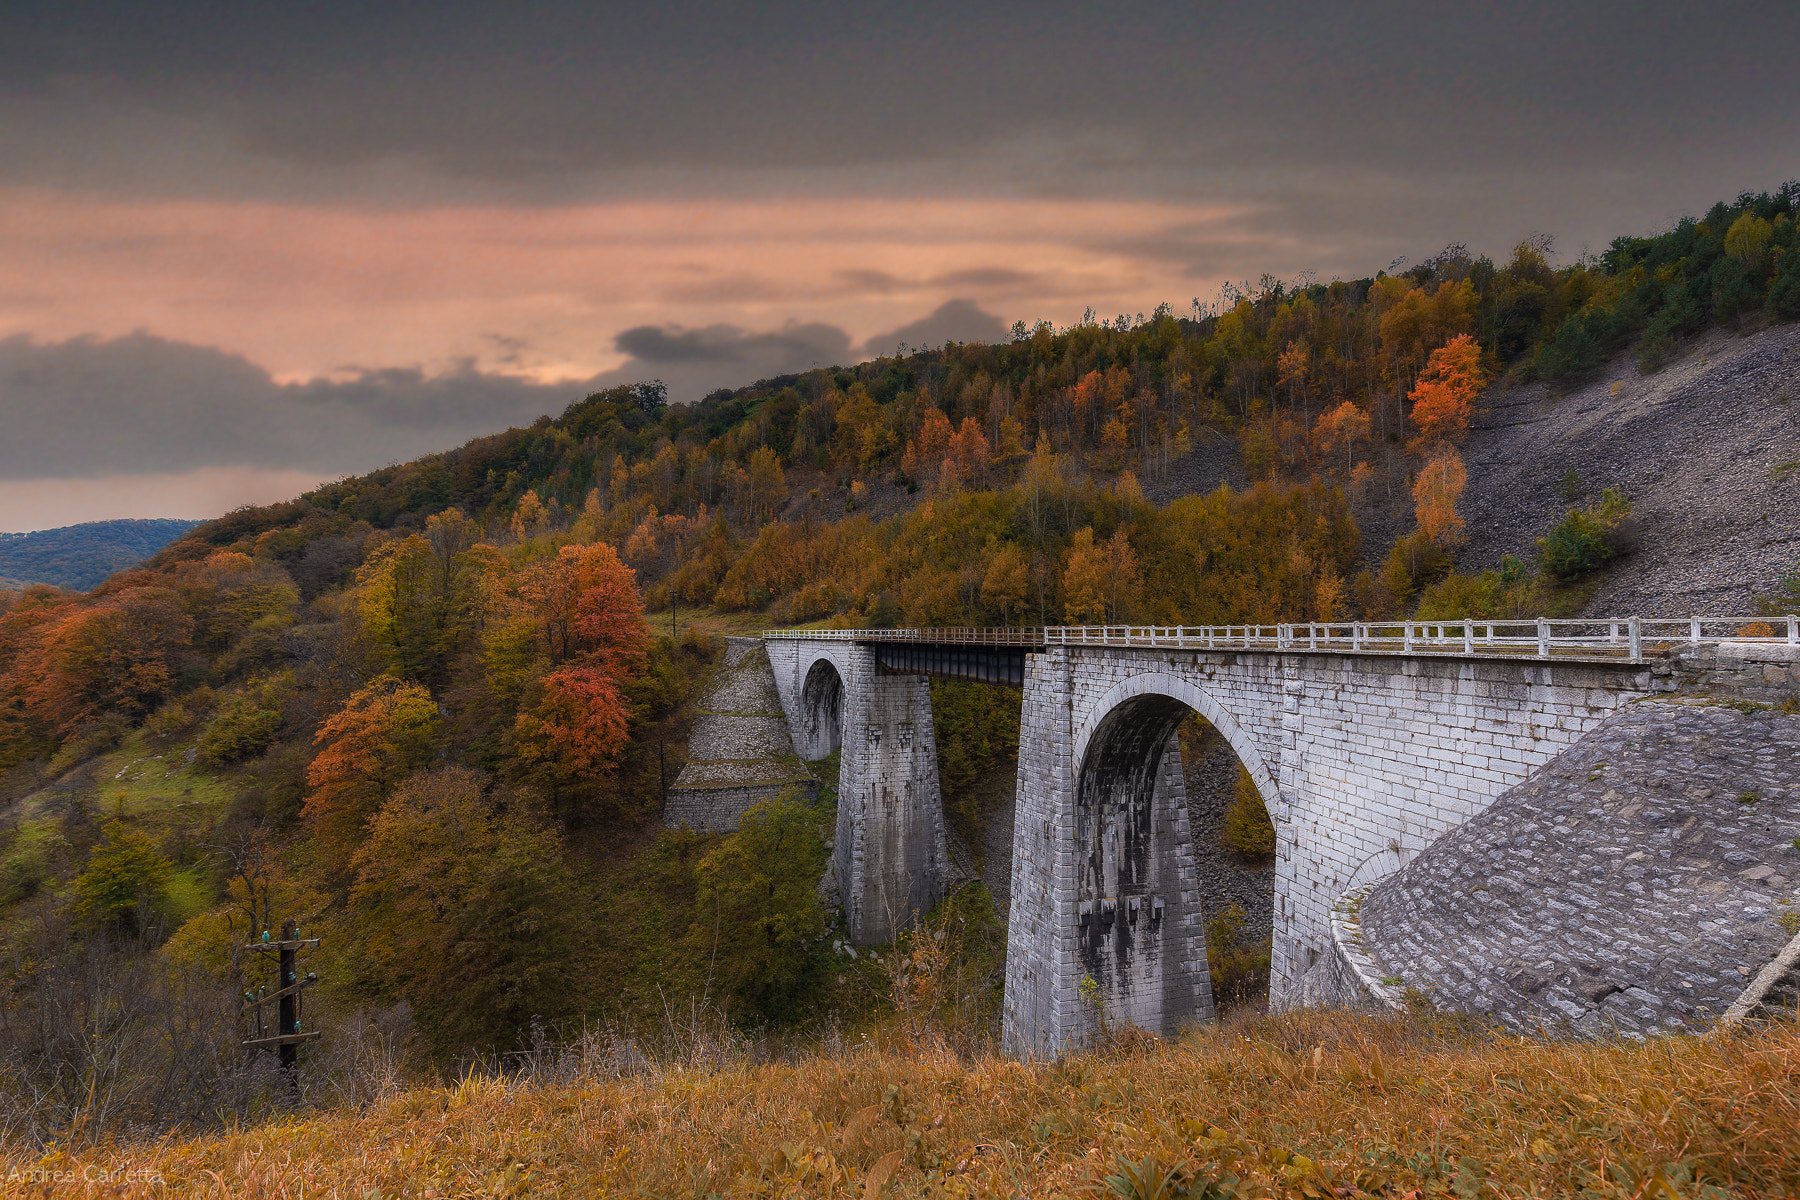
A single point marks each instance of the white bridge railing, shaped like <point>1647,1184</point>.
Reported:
<point>1607,637</point>
<point>1629,638</point>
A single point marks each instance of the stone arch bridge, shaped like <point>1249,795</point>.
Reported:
<point>1366,741</point>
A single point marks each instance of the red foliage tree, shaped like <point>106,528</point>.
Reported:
<point>588,612</point>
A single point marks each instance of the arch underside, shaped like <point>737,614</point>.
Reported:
<point>822,710</point>
<point>1174,687</point>
<point>1141,929</point>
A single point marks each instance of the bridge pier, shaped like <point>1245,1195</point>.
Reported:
<point>1107,921</point>
<point>889,858</point>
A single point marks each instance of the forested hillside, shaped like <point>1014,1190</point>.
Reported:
<point>421,710</point>
<point>1338,398</point>
<point>80,556</point>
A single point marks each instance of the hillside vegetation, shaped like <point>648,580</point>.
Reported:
<point>80,556</point>
<point>422,710</point>
<point>1307,1105</point>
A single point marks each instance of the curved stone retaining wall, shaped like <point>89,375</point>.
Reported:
<point>1635,885</point>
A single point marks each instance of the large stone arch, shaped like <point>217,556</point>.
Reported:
<point>1156,682</point>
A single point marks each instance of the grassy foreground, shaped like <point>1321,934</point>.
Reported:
<point>1300,1105</point>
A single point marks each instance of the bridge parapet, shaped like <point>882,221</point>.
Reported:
<point>1633,639</point>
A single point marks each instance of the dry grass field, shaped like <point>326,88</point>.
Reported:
<point>1304,1104</point>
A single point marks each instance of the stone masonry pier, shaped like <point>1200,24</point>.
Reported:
<point>890,861</point>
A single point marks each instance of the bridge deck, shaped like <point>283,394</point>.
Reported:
<point>1605,639</point>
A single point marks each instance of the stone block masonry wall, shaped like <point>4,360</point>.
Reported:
<point>889,856</point>
<point>1041,1003</point>
<point>1761,672</point>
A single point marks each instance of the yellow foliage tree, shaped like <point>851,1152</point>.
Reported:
<point>1342,429</point>
<point>1085,584</point>
<point>1435,493</point>
<point>1007,583</point>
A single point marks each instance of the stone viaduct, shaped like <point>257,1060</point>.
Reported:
<point>1366,742</point>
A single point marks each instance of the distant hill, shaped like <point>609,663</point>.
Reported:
<point>82,556</point>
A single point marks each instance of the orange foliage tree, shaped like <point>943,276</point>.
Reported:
<point>366,748</point>
<point>590,618</point>
<point>119,655</point>
<point>23,618</point>
<point>1444,398</point>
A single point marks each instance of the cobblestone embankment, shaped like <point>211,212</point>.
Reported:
<point>740,751</point>
<point>1637,884</point>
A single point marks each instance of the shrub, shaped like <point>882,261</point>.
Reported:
<point>240,730</point>
<point>1238,966</point>
<point>1414,562</point>
<point>1784,297</point>
<point>1583,541</point>
<point>125,875</point>
<point>23,876</point>
<point>1248,831</point>
<point>1576,546</point>
<point>1786,599</point>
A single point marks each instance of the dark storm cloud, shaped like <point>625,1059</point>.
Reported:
<point>656,346</point>
<point>694,362</point>
<point>147,405</point>
<point>954,321</point>
<point>1149,98</point>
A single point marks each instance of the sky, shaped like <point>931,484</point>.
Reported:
<point>246,247</point>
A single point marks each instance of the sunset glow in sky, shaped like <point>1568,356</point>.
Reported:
<point>247,248</point>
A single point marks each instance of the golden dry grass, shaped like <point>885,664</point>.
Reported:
<point>1306,1104</point>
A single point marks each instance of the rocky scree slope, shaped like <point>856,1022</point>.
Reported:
<point>1708,449</point>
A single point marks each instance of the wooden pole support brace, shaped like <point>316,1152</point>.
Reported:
<point>283,1039</point>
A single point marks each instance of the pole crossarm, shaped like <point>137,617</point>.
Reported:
<point>1631,639</point>
<point>296,944</point>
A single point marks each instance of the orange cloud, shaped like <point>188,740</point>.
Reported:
<point>312,290</point>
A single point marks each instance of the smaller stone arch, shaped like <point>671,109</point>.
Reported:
<point>1379,865</point>
<point>819,730</point>
<point>1163,683</point>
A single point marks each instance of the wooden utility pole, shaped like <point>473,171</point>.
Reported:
<point>288,986</point>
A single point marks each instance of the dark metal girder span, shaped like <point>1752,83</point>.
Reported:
<point>983,664</point>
